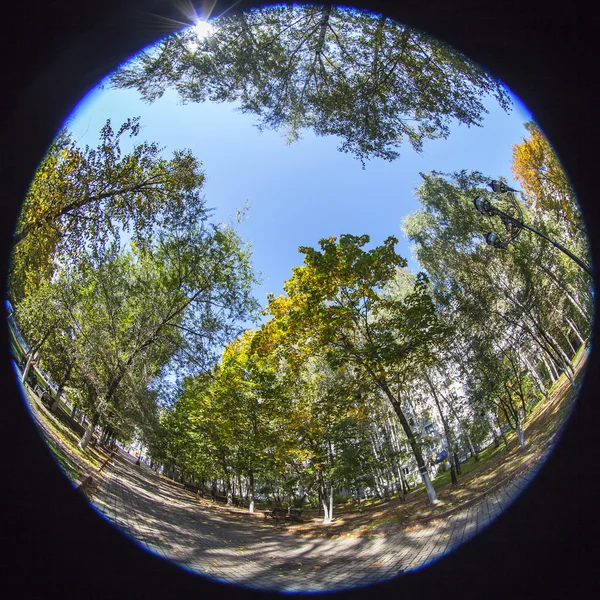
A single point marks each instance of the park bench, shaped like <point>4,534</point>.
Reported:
<point>293,514</point>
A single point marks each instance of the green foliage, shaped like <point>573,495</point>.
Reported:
<point>116,321</point>
<point>84,198</point>
<point>372,82</point>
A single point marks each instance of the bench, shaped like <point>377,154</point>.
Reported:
<point>285,514</point>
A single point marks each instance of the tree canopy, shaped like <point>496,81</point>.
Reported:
<point>374,83</point>
<point>85,198</point>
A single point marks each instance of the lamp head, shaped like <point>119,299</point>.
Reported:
<point>492,239</point>
<point>498,186</point>
<point>483,206</point>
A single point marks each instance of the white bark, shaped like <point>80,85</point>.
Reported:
<point>566,360</point>
<point>521,428</point>
<point>521,437</point>
<point>29,360</point>
<point>575,330</point>
<point>326,513</point>
<point>429,487</point>
<point>536,376</point>
<point>550,368</point>
<point>87,436</point>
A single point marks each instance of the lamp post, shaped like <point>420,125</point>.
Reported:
<point>512,219</point>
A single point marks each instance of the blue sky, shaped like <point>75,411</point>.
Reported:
<point>306,191</point>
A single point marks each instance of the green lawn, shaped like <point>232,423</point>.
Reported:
<point>443,478</point>
<point>71,469</point>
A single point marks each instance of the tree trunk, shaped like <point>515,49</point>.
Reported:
<point>400,478</point>
<point>250,492</point>
<point>495,435</point>
<point>570,344</point>
<point>503,435</point>
<point>521,437</point>
<point>575,330</point>
<point>570,297</point>
<point>61,387</point>
<point>324,506</point>
<point>28,363</point>
<point>472,448</point>
<point>87,436</point>
<point>536,377</point>
<point>405,486</point>
<point>453,469</point>
<point>550,368</point>
<point>462,428</point>
<point>565,359</point>
<point>457,463</point>
<point>520,428</point>
<point>411,439</point>
<point>393,443</point>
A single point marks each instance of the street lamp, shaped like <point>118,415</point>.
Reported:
<point>512,219</point>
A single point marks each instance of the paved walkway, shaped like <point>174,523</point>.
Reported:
<point>251,552</point>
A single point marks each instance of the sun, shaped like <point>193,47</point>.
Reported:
<point>203,29</point>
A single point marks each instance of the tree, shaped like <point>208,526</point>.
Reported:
<point>126,316</point>
<point>335,301</point>
<point>353,74</point>
<point>485,285</point>
<point>82,198</point>
<point>244,388</point>
<point>537,168</point>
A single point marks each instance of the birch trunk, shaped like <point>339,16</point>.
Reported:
<point>87,436</point>
<point>250,492</point>
<point>451,453</point>
<point>536,377</point>
<point>550,369</point>
<point>575,330</point>
<point>431,495</point>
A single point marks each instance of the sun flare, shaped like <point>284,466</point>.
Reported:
<point>203,29</point>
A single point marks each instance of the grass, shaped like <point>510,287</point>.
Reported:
<point>63,441</point>
<point>444,477</point>
<point>64,460</point>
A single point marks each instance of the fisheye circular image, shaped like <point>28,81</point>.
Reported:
<point>300,298</point>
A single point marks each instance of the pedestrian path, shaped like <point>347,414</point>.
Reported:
<point>250,552</point>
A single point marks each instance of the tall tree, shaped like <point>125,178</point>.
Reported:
<point>487,285</point>
<point>335,300</point>
<point>537,167</point>
<point>353,74</point>
<point>85,198</point>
